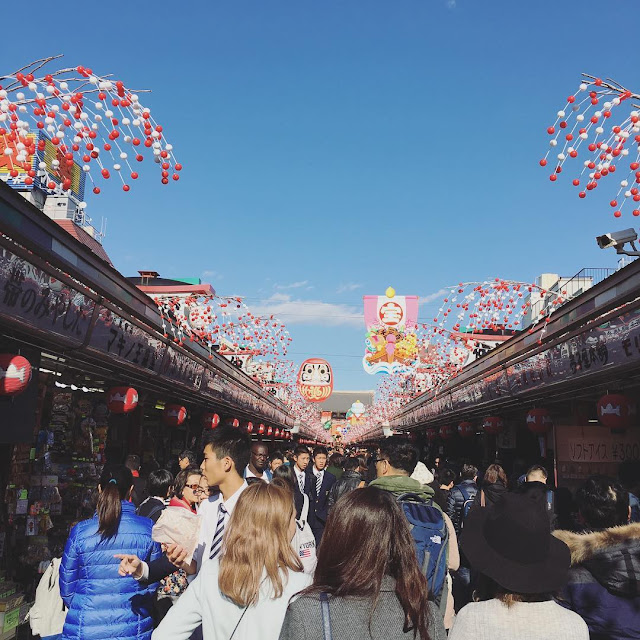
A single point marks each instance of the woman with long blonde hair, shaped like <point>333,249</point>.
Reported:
<point>244,594</point>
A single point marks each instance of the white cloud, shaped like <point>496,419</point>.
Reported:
<point>344,288</point>
<point>293,285</point>
<point>316,312</point>
<point>451,4</point>
<point>208,273</point>
<point>432,297</point>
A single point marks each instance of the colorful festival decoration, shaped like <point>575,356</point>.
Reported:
<point>356,415</point>
<point>391,343</point>
<point>210,420</point>
<point>600,126</point>
<point>174,415</point>
<point>87,126</point>
<point>122,399</point>
<point>539,421</point>
<point>315,380</point>
<point>493,425</point>
<point>616,411</point>
<point>15,374</point>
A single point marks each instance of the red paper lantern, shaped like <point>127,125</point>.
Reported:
<point>261,429</point>
<point>276,433</point>
<point>122,399</point>
<point>493,425</point>
<point>174,415</point>
<point>466,430</point>
<point>616,411</point>
<point>288,435</point>
<point>249,427</point>
<point>15,374</point>
<point>539,421</point>
<point>210,420</point>
<point>235,423</point>
<point>269,430</point>
<point>447,432</point>
<point>432,435</point>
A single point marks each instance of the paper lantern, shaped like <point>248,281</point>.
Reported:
<point>210,420</point>
<point>122,399</point>
<point>539,421</point>
<point>447,432</point>
<point>269,430</point>
<point>466,430</point>
<point>493,425</point>
<point>261,429</point>
<point>174,415</point>
<point>315,380</point>
<point>249,427</point>
<point>276,433</point>
<point>432,435</point>
<point>616,411</point>
<point>15,374</point>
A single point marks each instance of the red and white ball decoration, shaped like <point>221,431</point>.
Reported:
<point>122,399</point>
<point>96,122</point>
<point>210,420</point>
<point>616,411</point>
<point>493,425</point>
<point>15,374</point>
<point>466,430</point>
<point>174,415</point>
<point>539,421</point>
<point>600,127</point>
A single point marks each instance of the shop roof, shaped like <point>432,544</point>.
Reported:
<point>80,234</point>
<point>341,401</point>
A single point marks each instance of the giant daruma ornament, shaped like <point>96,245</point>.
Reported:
<point>315,380</point>
<point>15,374</point>
<point>616,411</point>
<point>122,399</point>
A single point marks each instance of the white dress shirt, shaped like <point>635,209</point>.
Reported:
<point>209,514</point>
<point>249,474</point>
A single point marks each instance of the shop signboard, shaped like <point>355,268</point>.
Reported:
<point>124,341</point>
<point>179,367</point>
<point>583,451</point>
<point>38,300</point>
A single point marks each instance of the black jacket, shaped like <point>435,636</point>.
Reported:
<point>456,500</point>
<point>492,493</point>
<point>349,481</point>
<point>151,508</point>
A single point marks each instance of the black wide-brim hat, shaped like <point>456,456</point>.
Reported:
<point>511,543</point>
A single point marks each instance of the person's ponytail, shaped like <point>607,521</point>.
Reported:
<point>115,484</point>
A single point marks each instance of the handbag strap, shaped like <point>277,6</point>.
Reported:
<point>326,620</point>
<point>233,633</point>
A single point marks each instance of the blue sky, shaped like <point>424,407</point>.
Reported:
<point>334,148</point>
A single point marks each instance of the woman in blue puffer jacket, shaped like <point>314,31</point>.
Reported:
<point>101,603</point>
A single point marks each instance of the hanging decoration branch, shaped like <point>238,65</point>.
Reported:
<point>73,120</point>
<point>586,127</point>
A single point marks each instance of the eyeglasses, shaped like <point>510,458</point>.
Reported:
<point>381,460</point>
<point>194,487</point>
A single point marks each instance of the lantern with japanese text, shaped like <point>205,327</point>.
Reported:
<point>616,411</point>
<point>210,420</point>
<point>250,427</point>
<point>174,415</point>
<point>122,399</point>
<point>15,374</point>
<point>539,421</point>
<point>261,429</point>
<point>466,430</point>
<point>432,435</point>
<point>315,380</point>
<point>276,433</point>
<point>269,430</point>
<point>446,432</point>
<point>493,425</point>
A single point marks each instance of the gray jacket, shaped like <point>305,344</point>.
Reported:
<point>351,618</point>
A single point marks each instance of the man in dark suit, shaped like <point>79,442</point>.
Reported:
<point>320,481</point>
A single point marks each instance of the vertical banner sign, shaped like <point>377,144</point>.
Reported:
<point>391,343</point>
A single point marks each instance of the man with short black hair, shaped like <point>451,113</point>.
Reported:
<point>320,481</point>
<point>186,459</point>
<point>604,580</point>
<point>159,484</point>
<point>258,467</point>
<point>462,496</point>
<point>301,459</point>
<point>445,480</point>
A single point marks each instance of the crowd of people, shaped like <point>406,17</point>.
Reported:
<point>331,545</point>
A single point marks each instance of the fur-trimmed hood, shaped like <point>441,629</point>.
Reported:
<point>612,556</point>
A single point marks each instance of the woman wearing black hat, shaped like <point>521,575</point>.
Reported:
<point>520,565</point>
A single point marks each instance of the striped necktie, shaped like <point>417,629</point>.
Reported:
<point>216,544</point>
<point>318,483</point>
<point>301,482</point>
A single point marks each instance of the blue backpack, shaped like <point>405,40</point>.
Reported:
<point>431,536</point>
<point>466,505</point>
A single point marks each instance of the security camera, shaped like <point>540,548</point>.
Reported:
<point>618,239</point>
